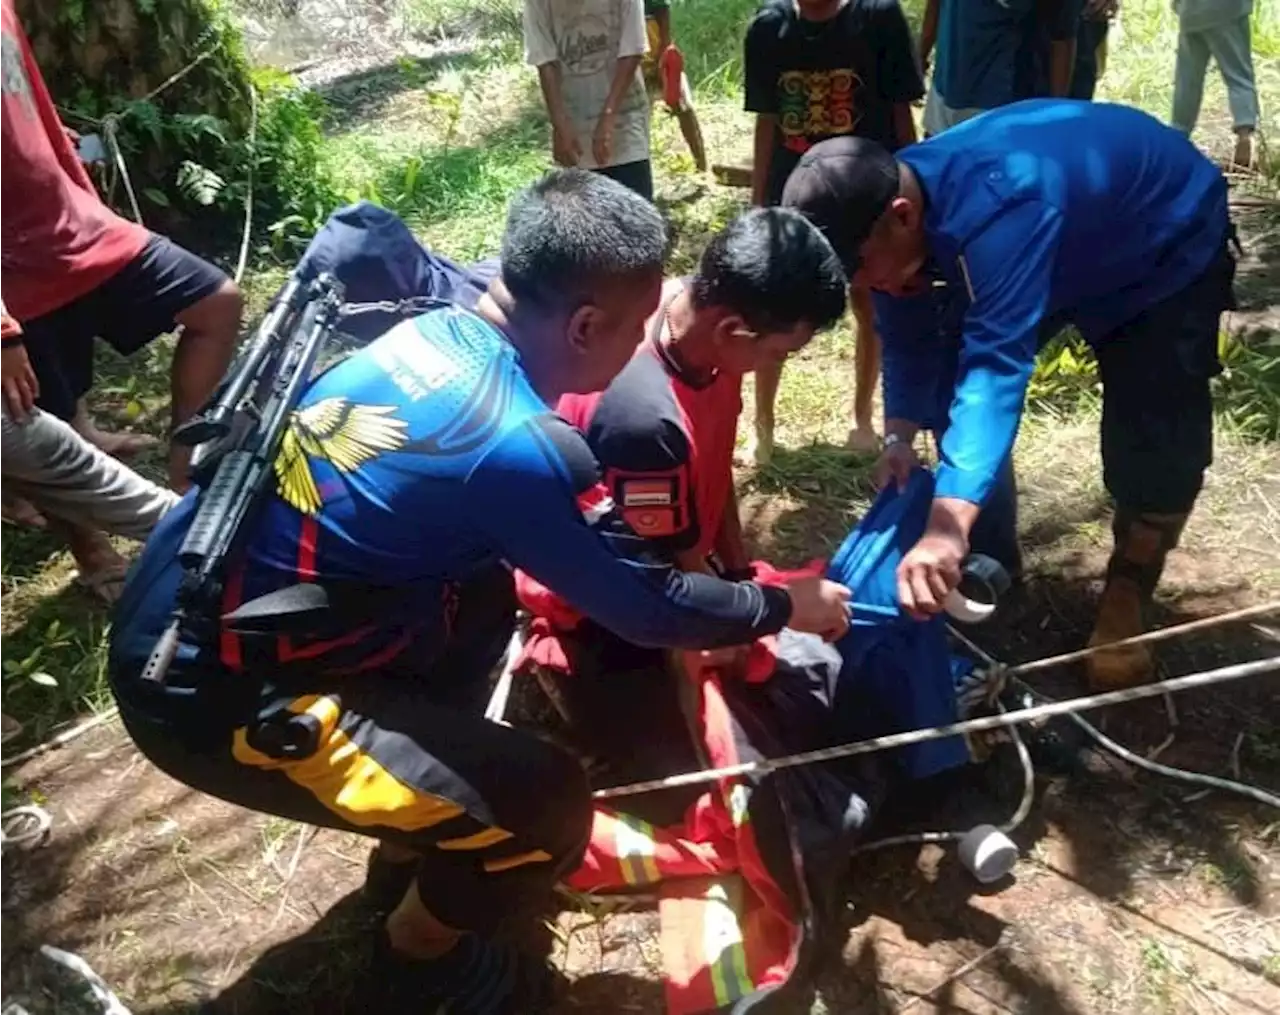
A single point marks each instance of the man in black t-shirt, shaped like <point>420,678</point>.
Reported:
<point>817,69</point>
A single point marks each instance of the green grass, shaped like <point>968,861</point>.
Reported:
<point>457,17</point>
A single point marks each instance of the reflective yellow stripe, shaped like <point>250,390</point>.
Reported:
<point>722,939</point>
<point>348,781</point>
<point>480,840</point>
<point>633,841</point>
<point>519,860</point>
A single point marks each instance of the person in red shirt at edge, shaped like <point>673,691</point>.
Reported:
<point>663,432</point>
<point>74,271</point>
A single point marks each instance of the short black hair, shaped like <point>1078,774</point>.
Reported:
<point>573,230</point>
<point>776,269</point>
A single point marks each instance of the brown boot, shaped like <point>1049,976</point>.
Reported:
<point>1142,544</point>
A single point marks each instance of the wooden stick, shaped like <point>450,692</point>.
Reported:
<point>1160,635</point>
<point>66,736</point>
<point>964,970</point>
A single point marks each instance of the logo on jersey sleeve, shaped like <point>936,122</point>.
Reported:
<point>333,430</point>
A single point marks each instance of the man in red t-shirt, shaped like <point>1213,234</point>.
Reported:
<point>664,431</point>
<point>73,271</point>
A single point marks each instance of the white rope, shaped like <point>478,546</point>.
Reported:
<point>1212,781</point>
<point>179,75</point>
<point>113,145</point>
<point>496,710</point>
<point>920,736</point>
<point>108,125</point>
<point>111,1005</point>
<point>248,198</point>
<point>24,826</point>
<point>1010,826</point>
<point>1149,764</point>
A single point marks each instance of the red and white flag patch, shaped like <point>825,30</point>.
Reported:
<point>595,503</point>
<point>646,492</point>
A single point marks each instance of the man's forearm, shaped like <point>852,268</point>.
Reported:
<point>762,156</point>
<point>1062,63</point>
<point>553,95</point>
<point>952,516</point>
<point>729,546</point>
<point>623,75</point>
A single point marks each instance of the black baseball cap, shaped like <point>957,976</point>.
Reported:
<point>843,186</point>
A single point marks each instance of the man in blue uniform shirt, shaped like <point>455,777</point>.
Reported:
<point>985,240</point>
<point>412,477</point>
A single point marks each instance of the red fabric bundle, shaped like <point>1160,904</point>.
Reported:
<point>552,616</point>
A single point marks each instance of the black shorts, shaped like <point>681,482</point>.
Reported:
<point>127,311</point>
<point>636,175</point>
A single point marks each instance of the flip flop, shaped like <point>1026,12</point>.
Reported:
<point>17,511</point>
<point>124,445</point>
<point>106,583</point>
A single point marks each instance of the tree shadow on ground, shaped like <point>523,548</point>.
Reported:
<point>134,865</point>
<point>880,980</point>
<point>1258,274</point>
<point>361,97</point>
<point>328,969</point>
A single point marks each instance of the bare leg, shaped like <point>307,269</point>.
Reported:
<point>18,511</point>
<point>117,445</point>
<point>210,329</point>
<point>866,372</point>
<point>102,570</point>
<point>415,933</point>
<point>760,446</point>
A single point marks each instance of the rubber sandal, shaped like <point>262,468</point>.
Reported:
<point>20,512</point>
<point>105,584</point>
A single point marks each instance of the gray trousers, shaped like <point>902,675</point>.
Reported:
<point>938,116</point>
<point>65,477</point>
<point>1230,47</point>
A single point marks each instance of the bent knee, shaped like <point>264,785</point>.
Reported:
<point>565,804</point>
<point>216,316</point>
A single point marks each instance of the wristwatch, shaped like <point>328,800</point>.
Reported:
<point>890,439</point>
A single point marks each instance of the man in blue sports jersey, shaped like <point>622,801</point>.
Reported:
<point>412,477</point>
<point>985,240</point>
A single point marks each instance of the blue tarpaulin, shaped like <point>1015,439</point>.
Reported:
<point>375,256</point>
<point>899,673</point>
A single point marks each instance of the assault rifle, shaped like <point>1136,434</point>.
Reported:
<point>237,436</point>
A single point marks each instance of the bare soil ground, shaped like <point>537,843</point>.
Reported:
<point>1133,894</point>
